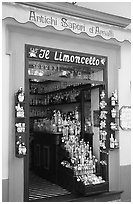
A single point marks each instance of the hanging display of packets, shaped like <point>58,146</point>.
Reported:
<point>103,118</point>
<point>20,127</point>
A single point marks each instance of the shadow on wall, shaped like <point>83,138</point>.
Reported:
<point>125,183</point>
<point>5,190</point>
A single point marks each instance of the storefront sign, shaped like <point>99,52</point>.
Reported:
<point>125,117</point>
<point>69,23</point>
<point>43,18</point>
<point>63,56</point>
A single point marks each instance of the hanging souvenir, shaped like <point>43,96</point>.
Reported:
<point>102,95</point>
<point>102,124</point>
<point>113,113</point>
<point>20,95</point>
<point>103,104</point>
<point>113,126</point>
<point>103,115</point>
<point>20,111</point>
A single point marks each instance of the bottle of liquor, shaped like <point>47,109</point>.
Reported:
<point>90,153</point>
<point>112,142</point>
<point>113,101</point>
<point>76,113</point>
<point>59,121</point>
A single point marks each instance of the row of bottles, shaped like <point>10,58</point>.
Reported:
<point>70,96</point>
<point>42,69</point>
<point>82,161</point>
<point>42,88</point>
<point>38,112</point>
<point>56,98</point>
<point>59,122</point>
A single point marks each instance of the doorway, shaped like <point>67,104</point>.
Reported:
<point>56,105</point>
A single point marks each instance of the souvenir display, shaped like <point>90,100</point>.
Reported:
<point>103,119</point>
<point>20,127</point>
<point>114,144</point>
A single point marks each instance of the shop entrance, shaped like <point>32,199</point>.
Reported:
<point>65,149</point>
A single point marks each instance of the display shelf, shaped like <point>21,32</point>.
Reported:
<point>68,179</point>
<point>49,105</point>
<point>36,117</point>
<point>86,190</point>
<point>65,103</point>
<point>70,80</point>
<point>67,88</point>
<point>114,121</point>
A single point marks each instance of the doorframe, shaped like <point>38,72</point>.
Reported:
<point>26,159</point>
<point>27,89</point>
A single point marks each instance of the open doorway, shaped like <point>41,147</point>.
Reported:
<point>56,119</point>
<point>65,149</point>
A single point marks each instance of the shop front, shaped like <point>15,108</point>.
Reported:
<point>68,106</point>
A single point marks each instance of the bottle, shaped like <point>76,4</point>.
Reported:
<point>116,96</point>
<point>113,113</point>
<point>76,114</point>
<point>116,144</point>
<point>112,141</point>
<point>113,99</point>
<point>59,121</point>
<point>90,153</point>
<point>20,95</point>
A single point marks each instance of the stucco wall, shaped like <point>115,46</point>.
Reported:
<point>5,106</point>
<point>125,100</point>
<point>125,136</point>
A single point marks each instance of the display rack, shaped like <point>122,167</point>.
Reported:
<point>20,125</point>
<point>114,121</point>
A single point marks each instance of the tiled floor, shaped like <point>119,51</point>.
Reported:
<point>40,188</point>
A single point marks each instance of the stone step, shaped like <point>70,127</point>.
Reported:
<point>112,196</point>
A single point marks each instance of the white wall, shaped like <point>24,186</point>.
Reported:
<point>19,35</point>
<point>5,105</point>
<point>125,100</point>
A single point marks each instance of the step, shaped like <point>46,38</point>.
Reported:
<point>112,196</point>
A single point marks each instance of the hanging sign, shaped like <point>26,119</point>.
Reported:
<point>125,118</point>
<point>43,18</point>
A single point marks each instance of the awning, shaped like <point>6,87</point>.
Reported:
<point>43,18</point>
